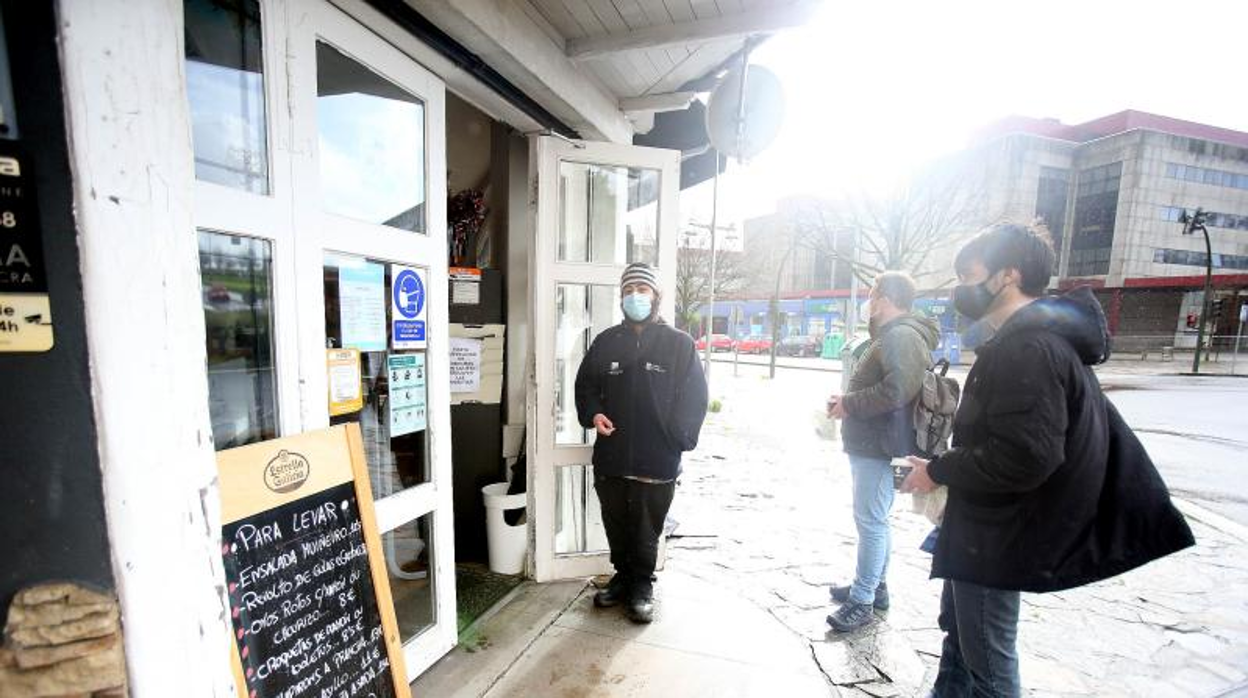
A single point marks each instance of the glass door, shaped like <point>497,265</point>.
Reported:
<point>600,207</point>
<point>370,244</point>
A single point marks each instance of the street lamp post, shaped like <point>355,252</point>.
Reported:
<point>710,300</point>
<point>1191,224</point>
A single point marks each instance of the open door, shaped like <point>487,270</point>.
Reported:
<point>599,207</point>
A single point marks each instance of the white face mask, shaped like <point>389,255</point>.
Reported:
<point>864,311</point>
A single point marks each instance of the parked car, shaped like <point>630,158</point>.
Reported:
<point>719,342</point>
<point>800,345</point>
<point>754,344</point>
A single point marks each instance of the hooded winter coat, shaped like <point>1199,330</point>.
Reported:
<point>879,403</point>
<point>1048,487</point>
<point>651,386</point>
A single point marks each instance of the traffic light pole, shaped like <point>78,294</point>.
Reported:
<point>1190,224</point>
<point>1239,332</point>
<point>1208,297</point>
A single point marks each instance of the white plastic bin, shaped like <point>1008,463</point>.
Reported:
<point>506,543</point>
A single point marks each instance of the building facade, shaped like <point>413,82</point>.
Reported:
<point>217,215</point>
<point>1111,192</point>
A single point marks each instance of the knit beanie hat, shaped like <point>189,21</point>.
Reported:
<point>640,272</point>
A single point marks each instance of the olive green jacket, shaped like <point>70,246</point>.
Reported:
<point>879,405</point>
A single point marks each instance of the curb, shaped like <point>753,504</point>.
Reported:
<point>1212,519</point>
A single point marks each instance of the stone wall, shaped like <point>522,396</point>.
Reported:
<point>62,640</point>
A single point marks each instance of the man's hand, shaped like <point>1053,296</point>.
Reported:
<point>603,425</point>
<point>836,407</point>
<point>918,479</point>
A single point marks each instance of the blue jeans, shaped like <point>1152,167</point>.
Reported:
<point>873,498</point>
<point>978,658</point>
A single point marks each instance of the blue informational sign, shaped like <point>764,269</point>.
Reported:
<point>408,411</point>
<point>408,302</point>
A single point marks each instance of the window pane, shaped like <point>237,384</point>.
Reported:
<point>583,312</point>
<point>578,516</point>
<point>371,143</point>
<point>225,87</point>
<point>357,316</point>
<point>609,214</point>
<point>409,552</point>
<point>236,274</point>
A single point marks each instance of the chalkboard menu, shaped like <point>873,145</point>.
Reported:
<point>309,598</point>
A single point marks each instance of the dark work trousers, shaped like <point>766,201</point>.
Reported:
<point>633,513</point>
<point>978,658</point>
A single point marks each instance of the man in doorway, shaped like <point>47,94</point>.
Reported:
<point>1048,487</point>
<point>641,389</point>
<point>878,415</point>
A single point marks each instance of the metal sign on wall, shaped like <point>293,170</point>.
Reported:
<point>25,313</point>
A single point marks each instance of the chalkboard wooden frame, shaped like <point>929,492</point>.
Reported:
<point>261,477</point>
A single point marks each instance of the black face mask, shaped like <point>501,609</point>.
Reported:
<point>974,301</point>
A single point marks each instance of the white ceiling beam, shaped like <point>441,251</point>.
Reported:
<point>667,101</point>
<point>758,21</point>
<point>507,38</point>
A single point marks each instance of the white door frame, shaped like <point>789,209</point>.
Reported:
<point>224,209</point>
<point>320,232</point>
<point>544,457</point>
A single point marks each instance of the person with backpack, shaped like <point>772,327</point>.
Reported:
<point>1048,489</point>
<point>877,411</point>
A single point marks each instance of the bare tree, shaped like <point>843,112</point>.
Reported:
<point>693,280</point>
<point>909,230</point>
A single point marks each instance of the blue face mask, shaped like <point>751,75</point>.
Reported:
<point>637,307</point>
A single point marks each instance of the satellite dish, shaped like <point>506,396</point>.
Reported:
<point>744,132</point>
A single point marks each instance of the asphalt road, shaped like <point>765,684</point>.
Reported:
<point>1195,428</point>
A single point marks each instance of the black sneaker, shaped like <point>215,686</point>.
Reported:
<point>616,593</point>
<point>640,609</point>
<point>841,595</point>
<point>851,616</point>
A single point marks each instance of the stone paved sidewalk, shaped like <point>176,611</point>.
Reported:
<point>764,511</point>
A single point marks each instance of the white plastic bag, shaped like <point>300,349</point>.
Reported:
<point>931,504</point>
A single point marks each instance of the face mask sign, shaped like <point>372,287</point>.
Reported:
<point>637,307</point>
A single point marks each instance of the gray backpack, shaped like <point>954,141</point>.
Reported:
<point>934,409</point>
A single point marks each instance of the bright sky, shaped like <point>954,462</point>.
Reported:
<point>876,88</point>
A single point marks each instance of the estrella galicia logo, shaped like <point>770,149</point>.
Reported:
<point>286,472</point>
<point>409,294</point>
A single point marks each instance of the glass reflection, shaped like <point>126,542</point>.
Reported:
<point>578,516</point>
<point>236,275</point>
<point>609,214</point>
<point>409,553</point>
<point>583,312</point>
<point>396,461</point>
<point>371,141</point>
<point>225,88</point>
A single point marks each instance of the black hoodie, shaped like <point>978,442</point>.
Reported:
<point>1048,487</point>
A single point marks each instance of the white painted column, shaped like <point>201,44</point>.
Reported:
<point>130,146</point>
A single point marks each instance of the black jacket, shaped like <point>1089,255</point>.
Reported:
<point>879,404</point>
<point>1048,487</point>
<point>651,387</point>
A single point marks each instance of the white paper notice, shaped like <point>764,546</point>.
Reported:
<point>466,292</point>
<point>362,306</point>
<point>465,365</point>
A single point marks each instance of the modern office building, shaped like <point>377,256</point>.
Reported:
<point>1111,191</point>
